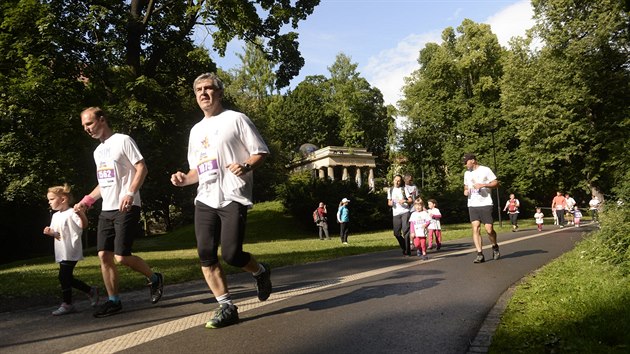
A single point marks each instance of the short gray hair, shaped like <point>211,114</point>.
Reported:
<point>209,76</point>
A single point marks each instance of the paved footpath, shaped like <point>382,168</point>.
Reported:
<point>373,303</point>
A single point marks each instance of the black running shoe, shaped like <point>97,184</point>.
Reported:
<point>480,258</point>
<point>495,252</point>
<point>263,283</point>
<point>156,288</point>
<point>225,316</point>
<point>108,308</point>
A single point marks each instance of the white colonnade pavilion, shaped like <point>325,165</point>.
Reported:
<point>338,162</point>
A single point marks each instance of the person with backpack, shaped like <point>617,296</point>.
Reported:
<point>321,220</point>
<point>511,206</point>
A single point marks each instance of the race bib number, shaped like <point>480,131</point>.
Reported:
<point>207,169</point>
<point>106,175</point>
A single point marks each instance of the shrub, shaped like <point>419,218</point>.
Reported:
<point>612,243</point>
<point>301,194</point>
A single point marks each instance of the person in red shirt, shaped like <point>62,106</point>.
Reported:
<point>559,204</point>
<point>511,206</point>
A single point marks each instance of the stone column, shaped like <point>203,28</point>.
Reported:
<point>322,173</point>
<point>371,179</point>
<point>331,173</point>
<point>358,177</point>
<point>344,176</point>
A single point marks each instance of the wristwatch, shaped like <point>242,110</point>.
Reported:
<point>247,167</point>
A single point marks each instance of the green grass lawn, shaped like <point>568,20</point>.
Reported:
<point>579,303</point>
<point>572,305</point>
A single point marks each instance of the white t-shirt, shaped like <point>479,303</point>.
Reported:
<point>418,221</point>
<point>479,197</point>
<point>395,194</point>
<point>435,223</point>
<point>115,159</point>
<point>539,218</point>
<point>214,143</point>
<point>412,191</point>
<point>594,204</point>
<point>570,203</point>
<point>67,224</point>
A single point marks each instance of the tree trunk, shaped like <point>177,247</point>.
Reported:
<point>135,28</point>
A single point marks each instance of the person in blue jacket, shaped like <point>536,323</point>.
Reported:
<point>343,218</point>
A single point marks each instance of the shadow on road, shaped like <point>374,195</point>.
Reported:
<point>364,293</point>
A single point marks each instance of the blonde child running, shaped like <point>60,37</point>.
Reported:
<point>435,227</point>
<point>419,221</point>
<point>539,218</point>
<point>66,227</point>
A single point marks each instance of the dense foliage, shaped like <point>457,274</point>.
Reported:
<point>137,60</point>
<point>550,112</point>
<point>453,106</point>
<point>301,195</point>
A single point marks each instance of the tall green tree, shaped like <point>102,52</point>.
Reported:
<point>452,105</point>
<point>253,82</point>
<point>136,59</point>
<point>364,120</point>
<point>571,98</point>
<point>341,110</point>
<point>304,115</point>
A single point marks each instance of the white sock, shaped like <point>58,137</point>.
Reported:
<point>224,299</point>
<point>261,270</point>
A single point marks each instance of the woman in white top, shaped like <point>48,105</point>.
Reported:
<point>400,202</point>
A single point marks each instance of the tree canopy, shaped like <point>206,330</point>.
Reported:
<point>137,60</point>
<point>548,113</point>
<point>554,116</point>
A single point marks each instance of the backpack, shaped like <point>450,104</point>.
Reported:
<point>512,206</point>
<point>316,217</point>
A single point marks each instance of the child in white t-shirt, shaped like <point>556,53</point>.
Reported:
<point>67,227</point>
<point>419,221</point>
<point>539,218</point>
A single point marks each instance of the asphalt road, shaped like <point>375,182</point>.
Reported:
<point>373,303</point>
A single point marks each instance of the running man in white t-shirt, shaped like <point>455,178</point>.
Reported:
<point>478,182</point>
<point>120,171</point>
<point>223,150</point>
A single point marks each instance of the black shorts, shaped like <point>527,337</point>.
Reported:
<point>116,230</point>
<point>482,213</point>
<point>223,227</point>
